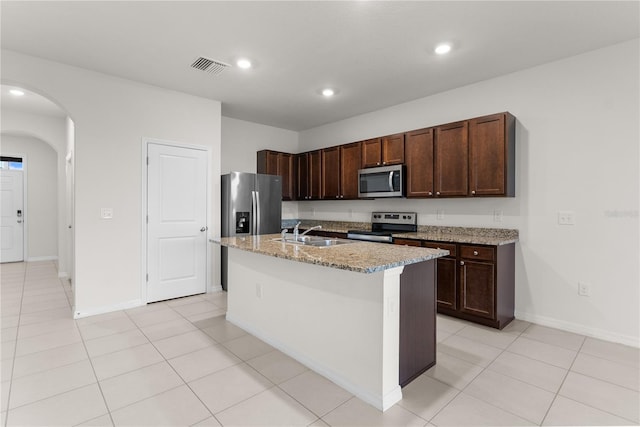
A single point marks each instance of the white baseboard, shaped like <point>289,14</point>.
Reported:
<point>579,329</point>
<point>62,275</point>
<point>42,258</point>
<point>78,314</point>
<point>377,401</point>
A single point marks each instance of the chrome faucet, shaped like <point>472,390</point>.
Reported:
<point>315,227</point>
<point>296,231</point>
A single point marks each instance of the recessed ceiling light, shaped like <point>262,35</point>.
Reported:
<point>443,48</point>
<point>16,92</point>
<point>328,92</point>
<point>243,63</point>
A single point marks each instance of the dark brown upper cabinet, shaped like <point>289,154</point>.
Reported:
<point>451,160</point>
<point>330,173</point>
<point>388,150</point>
<point>308,171</point>
<point>350,163</point>
<point>418,148</point>
<point>340,166</point>
<point>492,155</point>
<point>277,163</point>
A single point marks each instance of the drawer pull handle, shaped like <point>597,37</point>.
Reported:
<point>475,252</point>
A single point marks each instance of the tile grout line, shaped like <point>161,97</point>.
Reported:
<point>15,349</point>
<point>484,368</point>
<point>562,383</point>
<point>171,366</point>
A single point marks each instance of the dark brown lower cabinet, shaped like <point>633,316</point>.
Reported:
<point>474,282</point>
<point>480,287</point>
<point>417,320</point>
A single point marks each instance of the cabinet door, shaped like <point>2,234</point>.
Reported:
<point>477,288</point>
<point>331,173</point>
<point>446,283</point>
<point>285,170</point>
<point>487,155</point>
<point>267,162</point>
<point>393,149</point>
<point>315,174</point>
<point>301,170</point>
<point>350,158</point>
<point>371,153</point>
<point>418,147</point>
<point>452,159</point>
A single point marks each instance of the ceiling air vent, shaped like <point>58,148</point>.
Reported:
<point>209,65</point>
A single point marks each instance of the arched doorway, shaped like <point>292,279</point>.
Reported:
<point>40,129</point>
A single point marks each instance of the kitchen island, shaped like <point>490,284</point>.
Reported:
<point>361,314</point>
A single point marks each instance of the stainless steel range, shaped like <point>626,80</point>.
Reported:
<point>384,224</point>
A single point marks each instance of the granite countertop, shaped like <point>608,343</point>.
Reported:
<point>361,257</point>
<point>472,235</point>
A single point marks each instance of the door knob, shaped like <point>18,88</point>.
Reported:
<point>19,221</point>
<point>203,229</point>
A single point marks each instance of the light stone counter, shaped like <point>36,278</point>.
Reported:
<point>361,257</point>
<point>472,235</point>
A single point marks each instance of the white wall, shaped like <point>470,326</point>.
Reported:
<point>111,117</point>
<point>240,142</point>
<point>41,207</point>
<point>577,149</point>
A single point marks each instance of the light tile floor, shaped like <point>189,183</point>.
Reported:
<point>180,362</point>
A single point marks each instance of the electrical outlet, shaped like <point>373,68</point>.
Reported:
<point>584,289</point>
<point>497,215</point>
<point>440,214</point>
<point>259,290</point>
<point>566,218</point>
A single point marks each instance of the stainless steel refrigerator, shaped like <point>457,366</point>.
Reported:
<point>251,204</point>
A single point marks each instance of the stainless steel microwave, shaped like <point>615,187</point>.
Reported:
<point>385,181</point>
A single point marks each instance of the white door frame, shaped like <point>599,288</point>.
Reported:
<point>25,206</point>
<point>143,219</point>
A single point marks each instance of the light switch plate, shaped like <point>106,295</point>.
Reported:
<point>106,213</point>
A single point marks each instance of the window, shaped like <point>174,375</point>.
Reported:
<point>10,163</point>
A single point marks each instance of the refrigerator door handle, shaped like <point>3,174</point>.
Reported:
<point>257,216</point>
<point>254,212</point>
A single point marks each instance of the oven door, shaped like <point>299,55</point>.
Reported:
<point>386,181</point>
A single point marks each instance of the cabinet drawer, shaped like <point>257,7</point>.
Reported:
<point>477,252</point>
<point>451,247</point>
<point>406,242</point>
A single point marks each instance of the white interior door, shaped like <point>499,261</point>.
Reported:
<point>11,216</point>
<point>177,222</point>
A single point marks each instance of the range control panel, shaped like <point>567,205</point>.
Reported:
<point>405,218</point>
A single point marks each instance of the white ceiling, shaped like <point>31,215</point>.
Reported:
<point>376,53</point>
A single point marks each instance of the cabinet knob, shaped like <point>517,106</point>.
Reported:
<point>437,193</point>
<point>384,163</point>
<point>342,196</point>
<point>378,164</point>
<point>461,262</point>
<point>337,197</point>
<point>473,191</point>
<point>475,252</point>
<point>430,193</point>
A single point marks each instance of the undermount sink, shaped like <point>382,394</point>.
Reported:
<point>316,241</point>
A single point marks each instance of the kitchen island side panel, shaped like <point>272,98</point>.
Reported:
<point>342,324</point>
